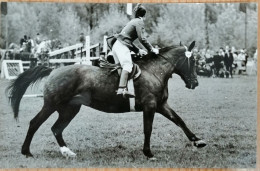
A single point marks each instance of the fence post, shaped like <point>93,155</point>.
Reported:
<point>105,45</point>
<point>87,47</point>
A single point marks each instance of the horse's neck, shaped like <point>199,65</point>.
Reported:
<point>160,67</point>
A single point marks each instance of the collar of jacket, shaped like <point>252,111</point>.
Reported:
<point>141,18</point>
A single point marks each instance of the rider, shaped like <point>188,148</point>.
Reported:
<point>121,49</point>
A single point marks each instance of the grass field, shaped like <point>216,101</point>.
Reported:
<point>222,111</point>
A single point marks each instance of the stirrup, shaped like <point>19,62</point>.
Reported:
<point>125,93</point>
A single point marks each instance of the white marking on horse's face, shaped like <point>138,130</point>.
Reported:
<point>188,54</point>
<point>66,152</point>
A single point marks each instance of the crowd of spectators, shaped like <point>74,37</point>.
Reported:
<point>221,63</point>
<point>27,44</point>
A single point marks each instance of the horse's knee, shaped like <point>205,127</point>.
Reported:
<point>152,105</point>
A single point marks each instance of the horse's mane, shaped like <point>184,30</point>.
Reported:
<point>166,49</point>
<point>152,57</point>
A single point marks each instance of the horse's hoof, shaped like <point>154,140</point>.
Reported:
<point>27,154</point>
<point>148,154</point>
<point>199,143</point>
<point>66,152</point>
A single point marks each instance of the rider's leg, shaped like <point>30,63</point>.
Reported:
<point>122,88</point>
<point>124,57</point>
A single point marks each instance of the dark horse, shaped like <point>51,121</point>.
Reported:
<point>67,88</point>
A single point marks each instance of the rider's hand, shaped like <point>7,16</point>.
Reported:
<point>155,50</point>
<point>142,52</point>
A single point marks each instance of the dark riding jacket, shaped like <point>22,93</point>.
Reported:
<point>133,30</point>
<point>228,59</point>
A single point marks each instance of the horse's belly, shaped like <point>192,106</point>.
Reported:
<point>112,104</point>
<point>110,107</point>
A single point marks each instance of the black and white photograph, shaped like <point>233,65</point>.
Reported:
<point>128,85</point>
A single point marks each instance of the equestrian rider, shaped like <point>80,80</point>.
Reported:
<point>121,49</point>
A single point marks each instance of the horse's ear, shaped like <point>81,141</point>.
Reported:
<point>180,43</point>
<point>191,46</point>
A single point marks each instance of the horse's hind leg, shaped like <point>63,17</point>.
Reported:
<point>35,123</point>
<point>66,114</point>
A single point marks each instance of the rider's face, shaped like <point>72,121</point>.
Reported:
<point>144,17</point>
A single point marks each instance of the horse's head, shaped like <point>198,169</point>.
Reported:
<point>185,66</point>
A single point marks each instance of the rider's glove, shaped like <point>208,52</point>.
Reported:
<point>142,52</point>
<point>155,50</point>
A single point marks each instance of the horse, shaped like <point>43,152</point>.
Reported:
<point>68,88</point>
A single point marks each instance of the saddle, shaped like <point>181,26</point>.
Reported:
<point>136,71</point>
<point>104,63</point>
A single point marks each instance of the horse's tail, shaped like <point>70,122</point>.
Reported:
<point>17,87</point>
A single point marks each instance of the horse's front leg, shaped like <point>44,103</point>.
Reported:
<point>166,111</point>
<point>148,116</point>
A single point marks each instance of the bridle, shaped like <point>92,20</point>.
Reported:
<point>188,54</point>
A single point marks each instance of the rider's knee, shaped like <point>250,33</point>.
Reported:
<point>128,67</point>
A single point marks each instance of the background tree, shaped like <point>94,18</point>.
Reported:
<point>211,25</point>
<point>209,18</point>
<point>110,23</point>
<point>70,27</point>
<point>179,22</point>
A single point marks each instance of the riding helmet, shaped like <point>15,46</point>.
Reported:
<point>140,11</point>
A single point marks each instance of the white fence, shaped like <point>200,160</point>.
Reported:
<point>11,68</point>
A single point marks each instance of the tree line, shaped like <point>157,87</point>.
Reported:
<point>211,25</point>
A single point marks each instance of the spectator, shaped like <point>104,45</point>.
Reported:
<point>38,39</point>
<point>25,38</point>
<point>29,45</point>
<point>22,41</point>
<point>82,38</point>
<point>241,59</point>
<point>218,63</point>
<point>235,58</point>
<point>246,56</point>
<point>228,61</point>
<point>196,55</point>
<point>24,47</point>
<point>204,64</point>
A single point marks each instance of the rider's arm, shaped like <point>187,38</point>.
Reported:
<point>134,48</point>
<point>140,33</point>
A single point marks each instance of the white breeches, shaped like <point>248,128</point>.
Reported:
<point>122,55</point>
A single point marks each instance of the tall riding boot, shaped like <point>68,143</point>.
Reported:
<point>122,88</point>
